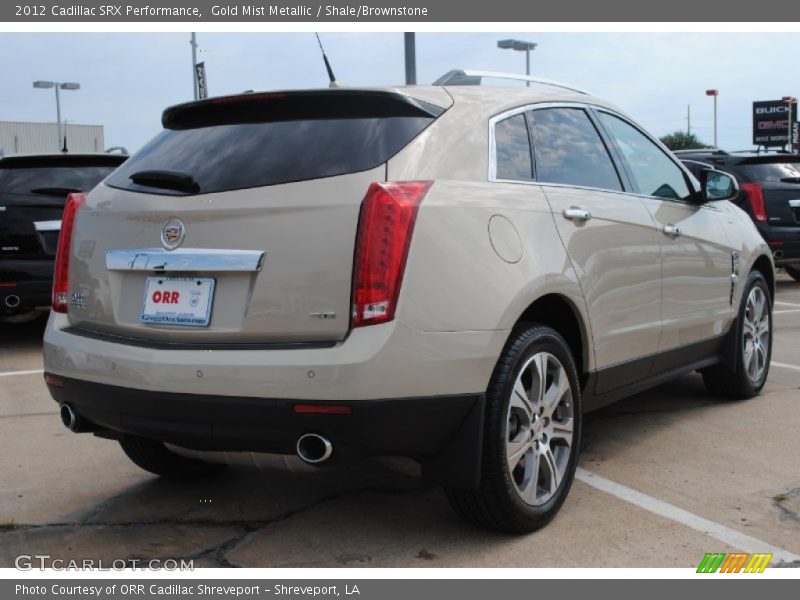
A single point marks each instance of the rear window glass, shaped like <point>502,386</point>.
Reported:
<point>775,171</point>
<point>235,156</point>
<point>53,181</point>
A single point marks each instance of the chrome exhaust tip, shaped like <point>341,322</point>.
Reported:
<point>778,254</point>
<point>313,448</point>
<point>69,417</point>
<point>12,301</point>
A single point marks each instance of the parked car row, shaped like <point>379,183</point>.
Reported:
<point>451,273</point>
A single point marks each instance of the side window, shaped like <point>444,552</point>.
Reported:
<point>653,171</point>
<point>567,149</point>
<point>513,149</point>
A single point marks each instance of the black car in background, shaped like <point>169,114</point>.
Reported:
<point>769,192</point>
<point>33,190</point>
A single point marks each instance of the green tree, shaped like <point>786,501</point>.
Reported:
<point>680,140</point>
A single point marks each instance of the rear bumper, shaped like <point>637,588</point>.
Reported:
<point>784,242</point>
<point>443,432</point>
<point>25,284</point>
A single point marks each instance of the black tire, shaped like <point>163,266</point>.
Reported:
<point>730,378</point>
<point>793,272</point>
<point>497,504</point>
<point>156,458</point>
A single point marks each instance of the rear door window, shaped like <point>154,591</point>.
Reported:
<point>513,149</point>
<point>567,149</point>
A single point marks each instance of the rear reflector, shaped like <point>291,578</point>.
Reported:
<point>61,276</point>
<point>53,380</point>
<point>755,194</point>
<point>322,409</point>
<point>8,284</point>
<point>385,226</point>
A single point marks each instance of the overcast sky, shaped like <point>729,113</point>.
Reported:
<point>128,79</point>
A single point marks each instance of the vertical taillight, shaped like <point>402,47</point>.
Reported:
<point>61,275</point>
<point>755,194</point>
<point>388,214</point>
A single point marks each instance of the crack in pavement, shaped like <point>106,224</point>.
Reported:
<point>786,513</point>
<point>220,550</point>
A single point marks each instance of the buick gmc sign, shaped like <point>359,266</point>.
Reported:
<point>771,122</point>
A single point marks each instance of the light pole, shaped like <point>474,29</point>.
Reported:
<point>521,46</point>
<point>790,100</point>
<point>46,85</point>
<point>193,42</point>
<point>714,93</point>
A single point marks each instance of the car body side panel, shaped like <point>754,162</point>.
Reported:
<point>697,268</point>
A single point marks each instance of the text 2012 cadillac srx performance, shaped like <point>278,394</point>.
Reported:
<point>454,274</point>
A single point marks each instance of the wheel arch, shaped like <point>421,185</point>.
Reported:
<point>559,312</point>
<point>763,264</point>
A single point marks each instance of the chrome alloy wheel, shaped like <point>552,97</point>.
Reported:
<point>755,334</point>
<point>539,428</point>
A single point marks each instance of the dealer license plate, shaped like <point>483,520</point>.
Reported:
<point>178,301</point>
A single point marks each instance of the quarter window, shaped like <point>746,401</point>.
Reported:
<point>568,150</point>
<point>513,149</point>
<point>653,171</point>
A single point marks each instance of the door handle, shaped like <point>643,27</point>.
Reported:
<point>577,214</point>
<point>672,231</point>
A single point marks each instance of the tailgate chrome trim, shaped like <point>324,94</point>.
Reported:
<point>185,259</point>
<point>47,225</point>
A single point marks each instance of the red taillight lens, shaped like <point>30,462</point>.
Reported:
<point>388,214</point>
<point>61,275</point>
<point>755,194</point>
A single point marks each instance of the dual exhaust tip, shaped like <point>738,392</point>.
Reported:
<point>312,448</point>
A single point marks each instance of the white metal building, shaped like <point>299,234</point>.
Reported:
<point>17,137</point>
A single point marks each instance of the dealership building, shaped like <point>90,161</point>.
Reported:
<point>18,137</point>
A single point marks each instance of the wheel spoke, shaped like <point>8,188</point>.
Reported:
<point>553,477</point>
<point>516,449</point>
<point>555,394</point>
<point>521,400</point>
<point>530,483</point>
<point>562,430</point>
<point>540,363</point>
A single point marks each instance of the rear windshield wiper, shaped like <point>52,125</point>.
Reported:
<point>55,191</point>
<point>168,180</point>
<point>790,179</point>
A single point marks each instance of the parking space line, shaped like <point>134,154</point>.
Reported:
<point>732,537</point>
<point>787,304</point>
<point>789,310</point>
<point>13,373</point>
<point>784,366</point>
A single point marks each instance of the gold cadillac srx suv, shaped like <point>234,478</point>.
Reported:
<point>453,274</point>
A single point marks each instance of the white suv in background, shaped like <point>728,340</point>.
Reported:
<point>452,273</point>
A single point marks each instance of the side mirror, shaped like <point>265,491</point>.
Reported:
<point>716,185</point>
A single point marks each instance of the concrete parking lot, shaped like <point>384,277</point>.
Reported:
<point>665,477</point>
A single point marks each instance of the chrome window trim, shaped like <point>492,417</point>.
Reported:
<point>184,260</point>
<point>492,170</point>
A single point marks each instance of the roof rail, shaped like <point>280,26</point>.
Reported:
<point>464,77</point>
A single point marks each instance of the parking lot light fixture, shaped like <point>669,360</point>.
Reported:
<point>69,86</point>
<point>714,93</point>
<point>520,46</point>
